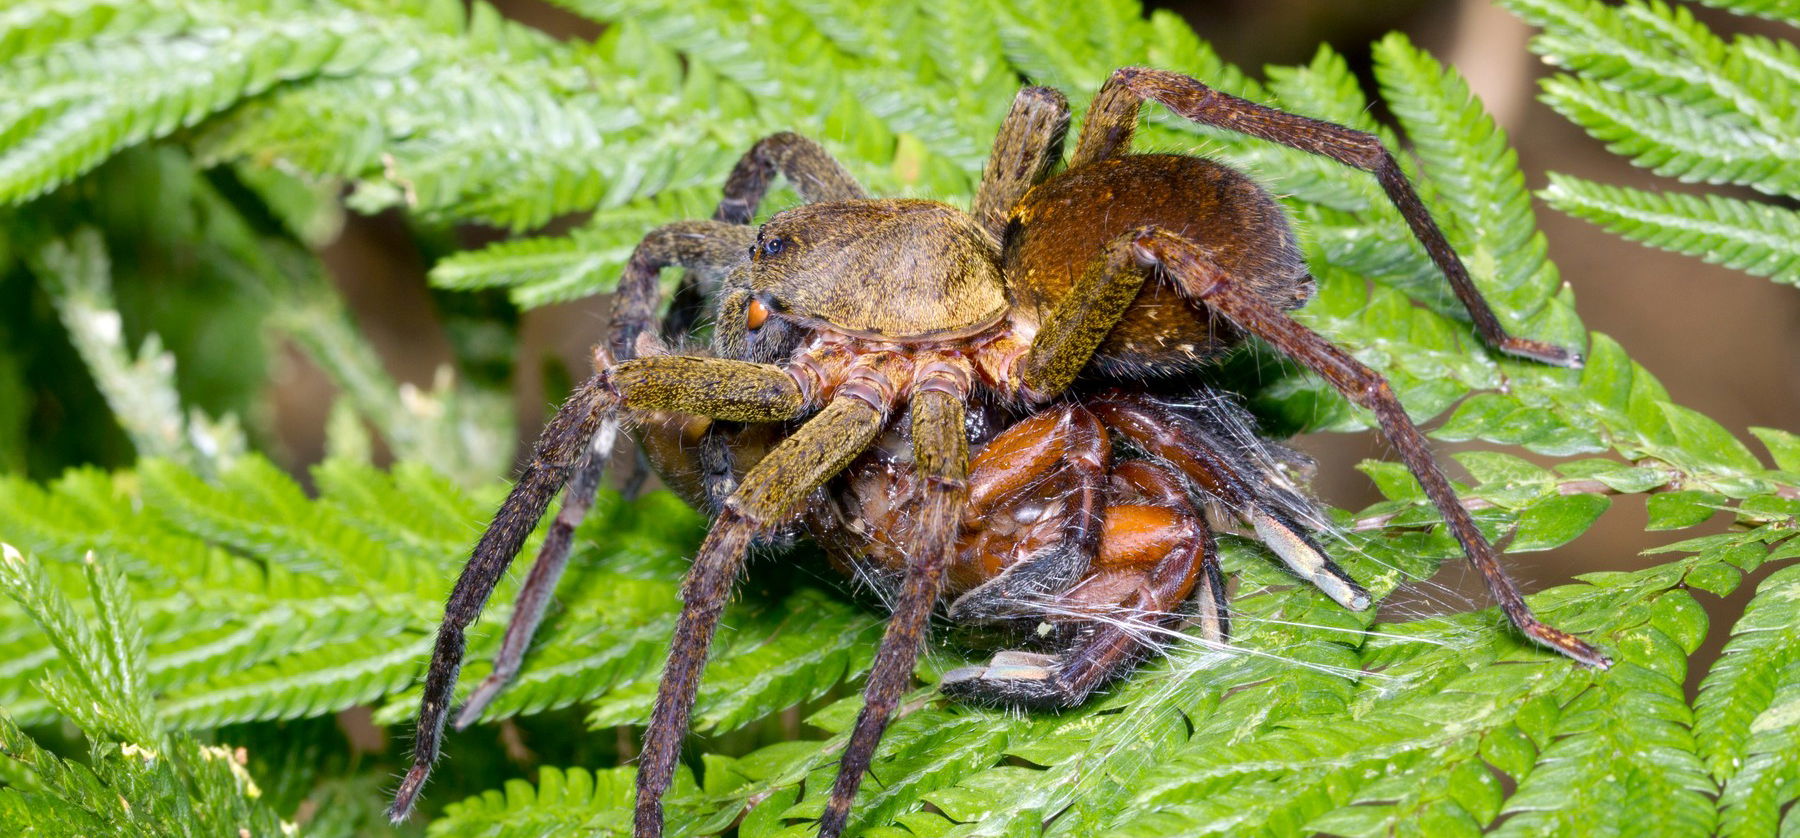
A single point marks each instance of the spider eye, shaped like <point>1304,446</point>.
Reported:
<point>757,314</point>
<point>772,246</point>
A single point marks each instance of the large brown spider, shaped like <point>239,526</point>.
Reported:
<point>893,334</point>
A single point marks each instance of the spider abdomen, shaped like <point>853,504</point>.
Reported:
<point>1063,226</point>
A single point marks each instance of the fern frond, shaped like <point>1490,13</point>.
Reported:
<point>1650,47</point>
<point>1493,227</point>
<point>104,689</point>
<point>595,802</point>
<point>137,780</point>
<point>1758,794</point>
<point>550,269</point>
<point>71,102</point>
<point>301,684</point>
<point>792,652</point>
<point>1780,10</point>
<point>1659,87</point>
<point>1743,702</point>
<point>249,631</point>
<point>1676,141</point>
<point>1756,238</point>
<point>139,388</point>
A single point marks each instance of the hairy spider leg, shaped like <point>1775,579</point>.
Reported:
<point>1062,451</point>
<point>561,447</point>
<point>735,390</point>
<point>1154,251</point>
<point>816,176</point>
<point>1113,117</point>
<point>1202,457</point>
<point>1156,554</point>
<point>815,453</point>
<point>941,452</point>
<point>708,244</point>
<point>1026,149</point>
<point>540,583</point>
<point>705,250</point>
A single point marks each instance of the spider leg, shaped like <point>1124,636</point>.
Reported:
<point>709,246</point>
<point>707,386</point>
<point>540,583</point>
<point>1203,458</point>
<point>817,451</point>
<point>1156,552</point>
<point>1112,118</point>
<point>562,446</point>
<point>1190,270</point>
<point>1061,445</point>
<point>1028,146</point>
<point>805,164</point>
<point>941,451</point>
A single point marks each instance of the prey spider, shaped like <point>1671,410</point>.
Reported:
<point>878,342</point>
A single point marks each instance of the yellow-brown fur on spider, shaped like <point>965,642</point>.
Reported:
<point>865,335</point>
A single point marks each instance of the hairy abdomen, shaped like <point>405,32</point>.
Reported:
<point>1063,226</point>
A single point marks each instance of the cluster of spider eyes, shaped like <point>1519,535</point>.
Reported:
<point>758,312</point>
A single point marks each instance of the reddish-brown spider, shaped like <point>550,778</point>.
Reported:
<point>896,334</point>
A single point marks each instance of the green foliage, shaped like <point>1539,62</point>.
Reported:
<point>139,778</point>
<point>241,604</point>
<point>1657,86</point>
<point>140,390</point>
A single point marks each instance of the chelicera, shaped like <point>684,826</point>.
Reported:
<point>936,396</point>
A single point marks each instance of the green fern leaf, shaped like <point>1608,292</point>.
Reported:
<point>1660,88</point>
<point>303,684</point>
<point>789,653</point>
<point>138,780</point>
<point>550,269</point>
<point>115,88</point>
<point>1493,227</point>
<point>1741,704</point>
<point>1753,237</point>
<point>1676,141</point>
<point>594,802</point>
<point>1782,10</point>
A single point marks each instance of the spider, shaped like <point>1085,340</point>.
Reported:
<point>883,339</point>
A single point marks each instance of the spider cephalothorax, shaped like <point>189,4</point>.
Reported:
<point>955,403</point>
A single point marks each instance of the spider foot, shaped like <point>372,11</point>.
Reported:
<point>1305,558</point>
<point>484,694</point>
<point>1012,679</point>
<point>1562,642</point>
<point>1537,350</point>
<point>408,793</point>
